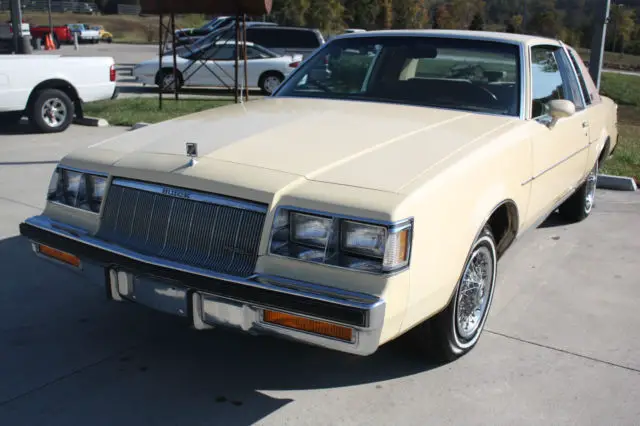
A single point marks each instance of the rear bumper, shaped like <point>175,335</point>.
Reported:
<point>208,299</point>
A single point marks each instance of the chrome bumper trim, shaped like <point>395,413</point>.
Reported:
<point>209,310</point>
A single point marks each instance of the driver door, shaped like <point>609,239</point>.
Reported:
<point>560,150</point>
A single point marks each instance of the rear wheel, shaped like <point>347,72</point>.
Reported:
<point>52,111</point>
<point>456,330</point>
<point>270,81</point>
<point>579,206</point>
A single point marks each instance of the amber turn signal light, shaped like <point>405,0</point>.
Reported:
<point>62,256</point>
<point>311,326</point>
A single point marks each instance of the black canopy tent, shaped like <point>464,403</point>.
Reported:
<point>238,8</point>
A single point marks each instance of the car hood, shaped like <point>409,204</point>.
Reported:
<point>362,144</point>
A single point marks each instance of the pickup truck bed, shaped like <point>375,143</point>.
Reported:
<point>50,89</point>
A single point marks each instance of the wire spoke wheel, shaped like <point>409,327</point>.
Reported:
<point>590,193</point>
<point>474,293</point>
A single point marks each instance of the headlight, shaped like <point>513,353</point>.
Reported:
<point>74,188</point>
<point>342,242</point>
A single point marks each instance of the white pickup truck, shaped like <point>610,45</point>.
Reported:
<point>50,89</point>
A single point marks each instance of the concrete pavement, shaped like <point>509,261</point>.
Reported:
<point>562,345</point>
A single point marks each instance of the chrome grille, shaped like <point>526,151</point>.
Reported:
<point>202,230</point>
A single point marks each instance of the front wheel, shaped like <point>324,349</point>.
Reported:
<point>579,206</point>
<point>456,330</point>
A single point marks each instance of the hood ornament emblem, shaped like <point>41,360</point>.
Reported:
<point>192,152</point>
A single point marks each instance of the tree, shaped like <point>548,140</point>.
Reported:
<point>443,18</point>
<point>463,11</point>
<point>622,26</point>
<point>387,14</point>
<point>326,15</point>
<point>545,19</point>
<point>477,24</point>
<point>291,12</point>
<point>410,14</point>
<point>361,13</point>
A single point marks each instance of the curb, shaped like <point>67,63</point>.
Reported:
<point>92,122</point>
<point>617,183</point>
<point>138,126</point>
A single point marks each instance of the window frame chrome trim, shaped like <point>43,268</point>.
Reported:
<point>193,195</point>
<point>392,226</point>
<point>522,46</point>
<point>575,74</point>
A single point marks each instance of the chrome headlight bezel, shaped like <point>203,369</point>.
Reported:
<point>370,255</point>
<point>79,189</point>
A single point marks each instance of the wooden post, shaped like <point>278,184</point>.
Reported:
<point>161,82</point>
<point>244,48</point>
<point>175,62</point>
<point>235,67</point>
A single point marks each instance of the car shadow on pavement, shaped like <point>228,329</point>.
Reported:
<point>555,220</point>
<point>23,127</point>
<point>152,368</point>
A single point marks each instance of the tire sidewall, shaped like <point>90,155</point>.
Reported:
<point>36,109</point>
<point>264,78</point>
<point>458,345</point>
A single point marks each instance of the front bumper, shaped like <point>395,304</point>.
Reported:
<point>210,299</point>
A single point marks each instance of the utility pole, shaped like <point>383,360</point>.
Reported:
<point>599,38</point>
<point>16,25</point>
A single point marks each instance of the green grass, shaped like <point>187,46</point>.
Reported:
<point>129,111</point>
<point>614,60</point>
<point>625,90</point>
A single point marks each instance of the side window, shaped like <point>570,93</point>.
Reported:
<point>253,53</point>
<point>546,80</point>
<point>583,83</point>
<point>551,79</point>
<point>259,36</point>
<point>220,53</point>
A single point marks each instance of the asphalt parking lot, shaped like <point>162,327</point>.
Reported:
<point>562,345</point>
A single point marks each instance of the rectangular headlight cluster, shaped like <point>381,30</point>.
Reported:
<point>337,241</point>
<point>79,189</point>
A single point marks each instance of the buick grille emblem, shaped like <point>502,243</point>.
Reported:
<point>175,193</point>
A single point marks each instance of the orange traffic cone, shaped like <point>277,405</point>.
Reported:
<point>48,43</point>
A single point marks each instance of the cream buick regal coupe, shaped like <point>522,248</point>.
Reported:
<point>370,196</point>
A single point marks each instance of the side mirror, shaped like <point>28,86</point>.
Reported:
<point>561,108</point>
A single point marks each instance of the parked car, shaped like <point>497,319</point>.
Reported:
<point>105,35</point>
<point>61,33</point>
<point>85,35</point>
<point>226,27</point>
<point>347,211</point>
<point>206,29</point>
<point>6,30</point>
<point>278,39</point>
<point>50,89</point>
<point>215,67</point>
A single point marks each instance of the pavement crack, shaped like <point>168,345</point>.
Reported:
<point>20,202</point>
<point>564,351</point>
<point>66,376</point>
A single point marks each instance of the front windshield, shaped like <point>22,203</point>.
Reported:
<point>463,74</point>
